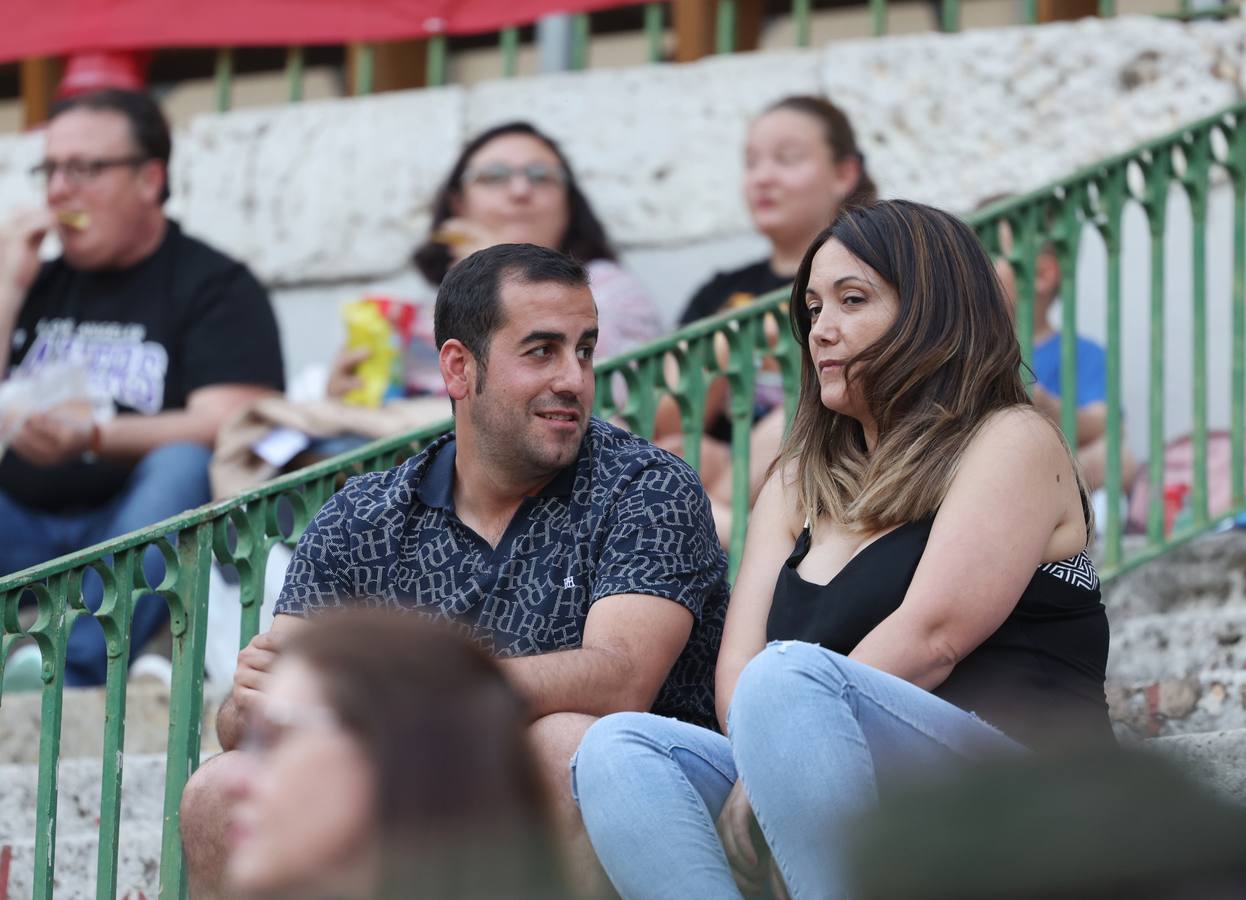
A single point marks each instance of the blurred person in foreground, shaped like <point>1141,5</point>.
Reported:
<point>916,561</point>
<point>802,164</point>
<point>1111,826</point>
<point>511,184</point>
<point>388,758</point>
<point>581,554</point>
<point>177,335</point>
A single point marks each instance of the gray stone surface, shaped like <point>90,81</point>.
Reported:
<point>78,800</point>
<point>318,191</point>
<point>1217,758</point>
<point>1029,105</point>
<point>138,865</point>
<point>82,723</point>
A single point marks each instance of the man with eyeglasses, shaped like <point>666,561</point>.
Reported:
<point>176,335</point>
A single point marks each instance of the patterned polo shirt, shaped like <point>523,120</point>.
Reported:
<point>625,518</point>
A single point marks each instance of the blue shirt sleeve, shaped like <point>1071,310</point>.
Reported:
<point>1091,369</point>
<point>660,539</point>
<point>1092,373</point>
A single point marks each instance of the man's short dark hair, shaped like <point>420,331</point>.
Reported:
<point>148,126</point>
<point>469,302</point>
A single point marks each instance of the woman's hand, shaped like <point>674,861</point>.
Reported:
<point>342,377</point>
<point>742,839</point>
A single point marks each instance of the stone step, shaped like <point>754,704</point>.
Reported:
<point>82,722</point>
<point>1211,700</point>
<point>138,865</point>
<point>1155,647</point>
<point>1217,759</point>
<point>78,797</point>
<point>1207,573</point>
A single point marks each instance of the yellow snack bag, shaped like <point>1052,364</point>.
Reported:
<point>367,326</point>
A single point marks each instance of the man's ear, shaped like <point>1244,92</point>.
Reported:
<point>152,177</point>
<point>458,368</point>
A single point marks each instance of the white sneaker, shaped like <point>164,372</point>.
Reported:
<point>152,667</point>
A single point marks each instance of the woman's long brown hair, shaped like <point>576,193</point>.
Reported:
<point>948,362</point>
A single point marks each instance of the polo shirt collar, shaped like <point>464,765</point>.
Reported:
<point>436,488</point>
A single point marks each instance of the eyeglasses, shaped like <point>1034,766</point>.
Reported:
<point>496,175</point>
<point>80,171</point>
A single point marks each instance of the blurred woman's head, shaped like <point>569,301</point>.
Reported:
<point>908,349</point>
<point>514,182</point>
<point>387,755</point>
<point>801,165</point>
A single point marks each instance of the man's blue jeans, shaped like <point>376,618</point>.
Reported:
<point>167,481</point>
<point>813,734</point>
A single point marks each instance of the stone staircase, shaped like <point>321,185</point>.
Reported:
<point>1177,684</point>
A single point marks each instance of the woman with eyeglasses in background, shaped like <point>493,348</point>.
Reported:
<point>513,185</point>
<point>388,759</point>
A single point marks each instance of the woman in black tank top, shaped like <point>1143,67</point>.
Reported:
<point>916,560</point>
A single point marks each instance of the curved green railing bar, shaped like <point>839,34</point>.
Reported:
<point>243,530</point>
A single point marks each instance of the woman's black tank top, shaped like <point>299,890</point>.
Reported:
<point>1039,677</point>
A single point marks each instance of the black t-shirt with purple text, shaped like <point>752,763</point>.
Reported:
<point>184,318</point>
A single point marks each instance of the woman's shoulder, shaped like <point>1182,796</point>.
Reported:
<point>779,498</point>
<point>1020,432</point>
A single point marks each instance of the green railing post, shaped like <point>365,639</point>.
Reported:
<point>724,31</point>
<point>653,31</point>
<point>742,380</point>
<point>1107,9</point>
<point>115,615</point>
<point>878,17</point>
<point>224,79</point>
<point>1030,12</point>
<point>294,73</point>
<point>1112,196</point>
<point>800,16</point>
<point>1066,239</point>
<point>508,42</point>
<point>185,588</point>
<point>949,18</point>
<point>1156,205</point>
<point>365,69</point>
<point>435,74</point>
<point>51,633</point>
<point>1197,183</point>
<point>579,41</point>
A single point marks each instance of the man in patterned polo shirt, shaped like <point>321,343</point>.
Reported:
<point>583,556</point>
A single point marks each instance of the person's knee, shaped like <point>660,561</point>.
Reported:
<point>204,808</point>
<point>607,756</point>
<point>781,672</point>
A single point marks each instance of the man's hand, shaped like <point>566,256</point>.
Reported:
<point>255,664</point>
<point>19,253</point>
<point>741,837</point>
<point>53,438</point>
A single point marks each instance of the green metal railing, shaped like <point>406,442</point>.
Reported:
<point>242,531</point>
<point>655,19</point>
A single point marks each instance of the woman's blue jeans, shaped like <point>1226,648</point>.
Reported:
<point>813,734</point>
